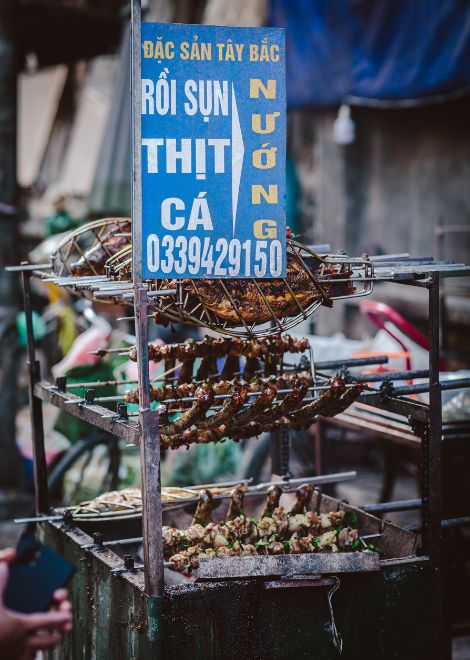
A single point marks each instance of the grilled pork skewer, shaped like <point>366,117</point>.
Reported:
<point>276,532</point>
<point>304,417</point>
<point>346,399</point>
<point>231,367</point>
<point>204,400</point>
<point>267,396</point>
<point>203,513</point>
<point>221,387</point>
<point>186,371</point>
<point>221,347</point>
<point>231,406</point>
<point>331,403</point>
<point>272,500</point>
<point>288,403</point>
<point>303,496</point>
<point>236,503</point>
<point>207,368</point>
<point>251,367</point>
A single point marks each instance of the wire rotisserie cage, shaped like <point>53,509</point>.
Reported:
<point>96,261</point>
<point>262,307</point>
<point>83,252</point>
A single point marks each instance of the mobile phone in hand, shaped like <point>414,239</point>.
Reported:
<point>35,573</point>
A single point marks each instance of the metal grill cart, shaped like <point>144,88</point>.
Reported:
<point>259,606</point>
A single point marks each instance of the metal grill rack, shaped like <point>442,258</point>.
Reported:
<point>425,420</point>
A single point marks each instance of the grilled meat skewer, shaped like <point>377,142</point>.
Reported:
<point>203,513</point>
<point>231,406</point>
<point>276,532</point>
<point>261,402</point>
<point>236,503</point>
<point>272,500</point>
<point>221,347</point>
<point>289,403</point>
<point>221,387</point>
<point>204,400</point>
<point>303,498</point>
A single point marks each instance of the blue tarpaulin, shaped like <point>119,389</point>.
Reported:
<point>379,49</point>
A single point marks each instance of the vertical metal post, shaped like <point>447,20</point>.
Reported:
<point>432,444</point>
<point>434,453</point>
<point>150,440</point>
<point>35,404</point>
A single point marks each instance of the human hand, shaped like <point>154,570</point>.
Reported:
<point>21,635</point>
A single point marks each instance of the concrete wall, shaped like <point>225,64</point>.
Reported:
<point>407,172</point>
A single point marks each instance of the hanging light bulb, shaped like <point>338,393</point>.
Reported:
<point>344,129</point>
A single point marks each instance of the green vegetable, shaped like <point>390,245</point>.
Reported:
<point>350,518</point>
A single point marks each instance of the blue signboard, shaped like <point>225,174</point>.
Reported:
<point>213,151</point>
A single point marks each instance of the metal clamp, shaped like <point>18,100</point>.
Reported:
<point>129,566</point>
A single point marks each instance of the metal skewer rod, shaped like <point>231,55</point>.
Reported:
<point>424,387</point>
<point>390,375</point>
<point>185,399</point>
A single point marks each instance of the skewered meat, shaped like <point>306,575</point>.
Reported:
<point>203,514</point>
<point>108,244</point>
<point>186,371</point>
<point>204,400</point>
<point>289,403</point>
<point>220,347</point>
<point>303,498</point>
<point>251,367</point>
<point>236,503</point>
<point>208,367</point>
<point>230,407</point>
<point>231,367</point>
<point>222,387</point>
<point>267,396</point>
<point>276,532</point>
<point>255,301</point>
<point>346,399</point>
<point>329,404</point>
<point>259,418</point>
<point>272,500</point>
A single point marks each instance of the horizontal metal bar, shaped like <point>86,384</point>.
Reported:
<point>93,414</point>
<point>398,505</point>
<point>352,362</point>
<point>27,267</point>
<point>391,375</point>
<point>404,407</point>
<point>423,387</point>
<point>130,541</point>
<point>21,521</point>
<point>448,523</point>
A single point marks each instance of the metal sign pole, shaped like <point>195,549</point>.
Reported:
<point>149,424</point>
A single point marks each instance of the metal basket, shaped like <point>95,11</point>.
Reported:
<point>75,247</point>
<point>312,280</point>
<point>188,306</point>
